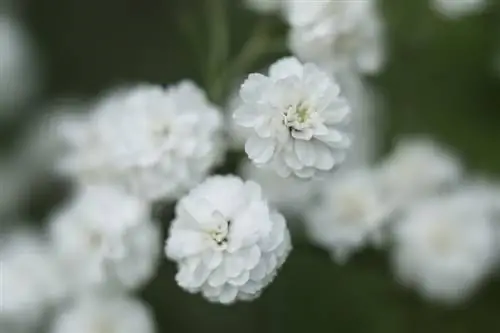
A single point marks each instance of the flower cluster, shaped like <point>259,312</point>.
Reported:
<point>227,242</point>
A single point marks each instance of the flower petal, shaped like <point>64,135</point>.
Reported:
<point>260,150</point>
<point>305,152</point>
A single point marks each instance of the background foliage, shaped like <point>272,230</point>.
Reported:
<point>439,81</point>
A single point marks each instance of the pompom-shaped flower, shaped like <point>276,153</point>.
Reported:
<point>154,142</point>
<point>100,314</point>
<point>417,168</point>
<point>337,35</point>
<point>296,115</point>
<point>455,9</point>
<point>226,241</point>
<point>31,280</point>
<point>349,213</point>
<point>445,247</point>
<point>106,239</point>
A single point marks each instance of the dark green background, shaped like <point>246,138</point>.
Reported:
<point>438,80</point>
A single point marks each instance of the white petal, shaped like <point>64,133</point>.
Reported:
<point>285,67</point>
<point>259,150</point>
<point>305,134</point>
<point>305,173</point>
<point>218,277</point>
<point>324,157</point>
<point>228,294</point>
<point>305,152</point>
<point>246,115</point>
<point>253,87</point>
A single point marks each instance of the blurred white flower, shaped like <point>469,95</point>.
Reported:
<point>155,142</point>
<point>455,9</point>
<point>337,34</point>
<point>445,246</point>
<point>106,239</point>
<point>227,243</point>
<point>349,213</point>
<point>98,314</point>
<point>236,135</point>
<point>296,114</point>
<point>265,6</point>
<point>31,279</point>
<point>19,79</point>
<point>289,195</point>
<point>418,168</point>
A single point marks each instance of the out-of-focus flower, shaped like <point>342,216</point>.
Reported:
<point>99,314</point>
<point>337,34</point>
<point>154,142</point>
<point>296,114</point>
<point>31,280</point>
<point>236,135</point>
<point>445,246</point>
<point>106,239</point>
<point>227,243</point>
<point>455,9</point>
<point>289,195</point>
<point>265,6</point>
<point>418,168</point>
<point>349,213</point>
<point>19,79</point>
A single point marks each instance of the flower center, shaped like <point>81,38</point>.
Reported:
<point>298,117</point>
<point>220,233</point>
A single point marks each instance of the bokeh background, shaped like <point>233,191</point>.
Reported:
<point>439,80</point>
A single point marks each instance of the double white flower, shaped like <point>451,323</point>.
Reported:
<point>227,242</point>
<point>296,116</point>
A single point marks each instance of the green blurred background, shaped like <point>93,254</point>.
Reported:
<point>439,80</point>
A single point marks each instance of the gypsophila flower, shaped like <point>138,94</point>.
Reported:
<point>265,6</point>
<point>228,244</point>
<point>31,279</point>
<point>296,114</point>
<point>106,239</point>
<point>349,213</point>
<point>155,142</point>
<point>105,314</point>
<point>455,9</point>
<point>289,195</point>
<point>337,34</point>
<point>418,168</point>
<point>19,80</point>
<point>445,247</point>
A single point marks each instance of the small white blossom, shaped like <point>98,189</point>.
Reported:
<point>418,168</point>
<point>99,314</point>
<point>18,81</point>
<point>227,242</point>
<point>155,142</point>
<point>296,115</point>
<point>337,34</point>
<point>349,213</point>
<point>289,195</point>
<point>106,238</point>
<point>455,9</point>
<point>265,6</point>
<point>31,280</point>
<point>445,247</point>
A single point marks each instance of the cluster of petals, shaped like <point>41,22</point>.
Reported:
<point>104,314</point>
<point>106,239</point>
<point>297,116</point>
<point>445,246</point>
<point>337,35</point>
<point>155,142</point>
<point>227,243</point>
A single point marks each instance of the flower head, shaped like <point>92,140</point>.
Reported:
<point>106,238</point>
<point>349,213</point>
<point>445,246</point>
<point>296,114</point>
<point>226,241</point>
<point>105,314</point>
<point>154,142</point>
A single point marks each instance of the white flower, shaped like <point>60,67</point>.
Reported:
<point>337,34</point>
<point>349,213</point>
<point>98,314</point>
<point>106,239</point>
<point>289,195</point>
<point>18,81</point>
<point>445,247</point>
<point>227,243</point>
<point>296,115</point>
<point>417,168</point>
<point>152,141</point>
<point>31,279</point>
<point>236,135</point>
<point>265,6</point>
<point>455,9</point>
